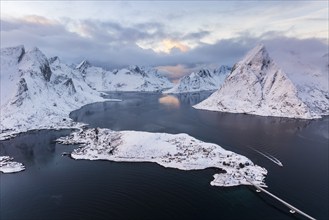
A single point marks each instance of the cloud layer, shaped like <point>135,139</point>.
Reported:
<point>176,38</point>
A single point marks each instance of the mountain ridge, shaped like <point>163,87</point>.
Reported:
<point>38,93</point>
<point>129,79</point>
<point>203,80</point>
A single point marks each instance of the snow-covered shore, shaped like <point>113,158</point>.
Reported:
<point>7,165</point>
<point>179,151</point>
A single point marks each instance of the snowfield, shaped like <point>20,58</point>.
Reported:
<point>179,151</point>
<point>258,86</point>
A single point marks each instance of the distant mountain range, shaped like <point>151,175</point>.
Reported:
<point>132,78</point>
<point>258,86</point>
<point>203,80</point>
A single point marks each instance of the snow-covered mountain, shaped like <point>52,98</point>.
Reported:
<point>133,78</point>
<point>39,93</point>
<point>258,86</point>
<point>310,74</point>
<point>201,81</point>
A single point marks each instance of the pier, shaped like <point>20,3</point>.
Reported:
<point>292,208</point>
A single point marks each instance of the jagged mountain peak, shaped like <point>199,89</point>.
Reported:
<point>15,54</point>
<point>83,65</point>
<point>138,70</point>
<point>34,62</point>
<point>204,73</point>
<point>256,62</point>
<point>256,55</point>
<point>54,59</point>
<point>35,49</point>
<point>35,54</point>
<point>135,68</point>
<point>12,50</point>
<point>223,69</point>
<point>258,86</point>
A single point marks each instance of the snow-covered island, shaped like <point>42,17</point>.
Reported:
<point>203,80</point>
<point>7,165</point>
<point>179,151</point>
<point>258,86</point>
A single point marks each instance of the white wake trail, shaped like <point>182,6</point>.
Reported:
<point>270,157</point>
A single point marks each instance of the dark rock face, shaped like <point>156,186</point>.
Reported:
<point>21,55</point>
<point>83,66</point>
<point>204,73</point>
<point>137,70</point>
<point>21,93</point>
<point>70,85</point>
<point>46,71</point>
<point>53,59</point>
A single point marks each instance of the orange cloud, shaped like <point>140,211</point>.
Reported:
<point>35,19</point>
<point>174,72</point>
<point>168,44</point>
<point>163,46</point>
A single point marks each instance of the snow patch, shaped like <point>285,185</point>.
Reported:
<point>7,165</point>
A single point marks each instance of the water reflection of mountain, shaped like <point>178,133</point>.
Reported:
<point>193,98</point>
<point>166,112</point>
<point>250,123</point>
<point>34,147</point>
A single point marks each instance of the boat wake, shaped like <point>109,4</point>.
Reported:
<point>270,157</point>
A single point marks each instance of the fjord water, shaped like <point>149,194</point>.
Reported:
<point>57,187</point>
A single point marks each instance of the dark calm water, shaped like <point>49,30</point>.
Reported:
<point>56,187</point>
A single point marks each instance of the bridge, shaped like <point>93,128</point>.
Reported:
<point>292,208</point>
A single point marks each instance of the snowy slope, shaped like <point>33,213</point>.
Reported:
<point>201,81</point>
<point>9,65</point>
<point>169,150</point>
<point>310,74</point>
<point>39,93</point>
<point>258,86</point>
<point>133,78</point>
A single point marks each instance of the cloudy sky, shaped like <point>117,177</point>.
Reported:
<point>177,36</point>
